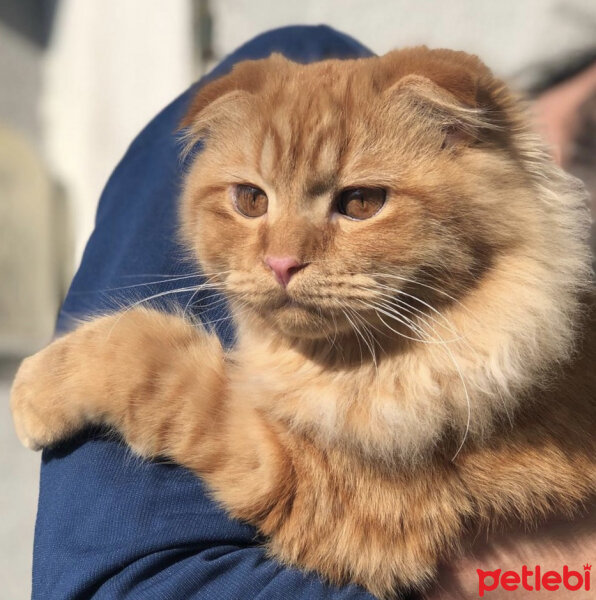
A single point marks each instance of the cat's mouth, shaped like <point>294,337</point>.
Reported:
<point>288,302</point>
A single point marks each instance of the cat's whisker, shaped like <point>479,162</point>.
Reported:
<point>219,299</point>
<point>165,279</point>
<point>452,328</point>
<point>240,309</point>
<point>335,334</point>
<point>367,327</point>
<point>161,275</point>
<point>374,288</point>
<point>182,290</point>
<point>464,385</point>
<point>369,342</point>
<point>146,283</point>
<point>356,332</point>
<point>392,313</point>
<point>229,317</point>
<point>331,340</point>
<point>371,327</point>
<point>360,336</point>
<point>137,303</point>
<point>400,292</point>
<point>422,317</point>
<point>395,297</point>
<point>193,296</point>
<point>379,311</point>
<point>446,322</point>
<point>474,383</point>
<point>468,404</point>
<point>410,322</point>
<point>425,285</point>
<point>471,348</point>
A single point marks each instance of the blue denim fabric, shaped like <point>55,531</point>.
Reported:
<point>108,524</point>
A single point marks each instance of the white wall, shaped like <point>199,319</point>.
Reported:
<point>112,65</point>
<point>508,34</point>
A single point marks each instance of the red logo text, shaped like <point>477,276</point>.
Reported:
<point>531,580</point>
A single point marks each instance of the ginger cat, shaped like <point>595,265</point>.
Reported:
<point>409,276</point>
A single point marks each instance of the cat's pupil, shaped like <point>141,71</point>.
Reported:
<point>361,203</point>
<point>250,201</point>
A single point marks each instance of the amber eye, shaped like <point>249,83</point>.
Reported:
<point>250,201</point>
<point>361,203</point>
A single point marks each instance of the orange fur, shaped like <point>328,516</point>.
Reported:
<point>428,373</point>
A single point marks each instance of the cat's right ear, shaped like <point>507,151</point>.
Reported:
<point>225,99</point>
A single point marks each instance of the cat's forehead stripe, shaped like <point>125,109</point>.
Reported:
<point>269,149</point>
<point>301,144</point>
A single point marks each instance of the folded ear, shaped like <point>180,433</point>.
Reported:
<point>453,89</point>
<point>246,77</point>
<point>218,98</point>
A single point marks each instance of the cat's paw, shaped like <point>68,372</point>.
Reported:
<point>38,400</point>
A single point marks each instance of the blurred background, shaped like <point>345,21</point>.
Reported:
<point>79,79</point>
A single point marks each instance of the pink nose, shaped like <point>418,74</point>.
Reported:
<point>284,267</point>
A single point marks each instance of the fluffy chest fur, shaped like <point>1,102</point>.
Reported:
<point>394,407</point>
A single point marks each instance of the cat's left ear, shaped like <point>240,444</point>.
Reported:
<point>453,90</point>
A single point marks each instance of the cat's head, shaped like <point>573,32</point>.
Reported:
<point>340,194</point>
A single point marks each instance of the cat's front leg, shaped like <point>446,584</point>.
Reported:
<point>134,370</point>
<point>40,410</point>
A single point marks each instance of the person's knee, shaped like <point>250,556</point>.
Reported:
<point>301,43</point>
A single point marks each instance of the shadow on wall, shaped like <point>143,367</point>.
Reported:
<point>34,247</point>
<point>31,19</point>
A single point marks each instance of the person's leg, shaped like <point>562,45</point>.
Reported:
<point>110,526</point>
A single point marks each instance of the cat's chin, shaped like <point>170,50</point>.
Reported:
<point>296,321</point>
